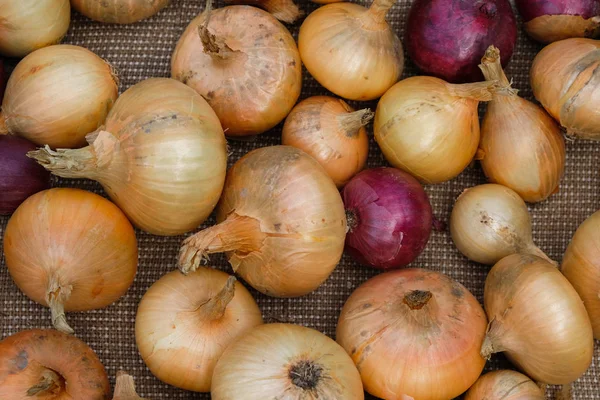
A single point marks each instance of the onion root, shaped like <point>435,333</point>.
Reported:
<point>352,122</point>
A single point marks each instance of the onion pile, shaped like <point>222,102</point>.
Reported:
<point>70,250</point>
<point>57,95</point>
<point>281,221</point>
<point>413,333</point>
<point>119,11</point>
<point>161,156</point>
<point>505,385</point>
<point>284,361</point>
<point>125,387</point>
<point>283,10</point>
<point>430,128</point>
<point>332,132</point>
<point>351,50</point>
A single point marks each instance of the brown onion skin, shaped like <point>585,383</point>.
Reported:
<point>119,11</point>
<point>504,385</point>
<point>26,355</point>
<point>396,348</point>
<point>284,10</point>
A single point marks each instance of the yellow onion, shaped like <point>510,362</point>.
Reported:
<point>537,319</point>
<point>281,221</point>
<point>27,25</point>
<point>284,361</point>
<point>581,266</point>
<point>283,10</point>
<point>184,324</point>
<point>413,334</point>
<point>430,128</point>
<point>505,385</point>
<point>70,250</point>
<point>245,63</point>
<point>521,146</point>
<point>119,11</point>
<point>125,387</point>
<point>332,132</point>
<point>564,79</point>
<point>351,50</point>
<point>491,221</point>
<point>57,95</point>
<point>161,156</point>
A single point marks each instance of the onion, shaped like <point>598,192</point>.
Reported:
<point>125,387</point>
<point>430,128</point>
<point>581,266</point>
<point>57,95</point>
<point>70,250</point>
<point>20,177</point>
<point>3,79</point>
<point>44,363</point>
<point>161,156</point>
<point>332,132</point>
<point>447,38</point>
<point>284,361</point>
<point>504,385</point>
<point>563,79</point>
<point>490,222</point>
<point>537,319</point>
<point>351,50</point>
<point>283,10</point>
<point>281,222</point>
<point>245,63</point>
<point>184,324</point>
<point>389,218</point>
<point>119,11</point>
<point>551,20</point>
<point>521,146</point>
<point>413,333</point>
<point>27,25</point>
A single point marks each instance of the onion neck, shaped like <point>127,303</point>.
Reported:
<point>125,387</point>
<point>283,10</point>
<point>491,344</point>
<point>536,251</point>
<point>417,299</point>
<point>56,296</point>
<point>214,309</point>
<point>480,91</point>
<point>379,9</point>
<point>491,67</point>
<point>212,45</point>
<point>351,123</point>
<point>51,384</point>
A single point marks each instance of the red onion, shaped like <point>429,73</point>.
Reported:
<point>447,38</point>
<point>20,176</point>
<point>389,218</point>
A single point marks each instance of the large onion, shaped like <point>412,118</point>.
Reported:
<point>504,385</point>
<point>119,11</point>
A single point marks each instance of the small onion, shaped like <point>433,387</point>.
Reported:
<point>332,132</point>
<point>564,80</point>
<point>521,146</point>
<point>389,218</point>
<point>184,324</point>
<point>537,319</point>
<point>430,128</point>
<point>281,222</point>
<point>284,361</point>
<point>27,25</point>
<point>44,363</point>
<point>161,156</point>
<point>351,50</point>
<point>413,334</point>
<point>490,222</point>
<point>245,63</point>
<point>70,250</point>
<point>119,11</point>
<point>57,95</point>
<point>581,266</point>
<point>505,385</point>
<point>283,10</point>
<point>125,387</point>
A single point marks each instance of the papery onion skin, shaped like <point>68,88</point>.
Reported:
<point>30,356</point>
<point>504,385</point>
<point>27,25</point>
<point>57,95</point>
<point>447,38</point>
<point>430,128</point>
<point>413,333</point>
<point>581,266</point>
<point>70,248</point>
<point>161,156</point>
<point>564,79</point>
<point>284,236</point>
<point>537,319</point>
<point>284,361</point>
<point>125,387</point>
<point>351,50</point>
<point>119,11</point>
<point>253,76</point>
<point>184,323</point>
<point>389,218</point>
<point>332,132</point>
<point>283,10</point>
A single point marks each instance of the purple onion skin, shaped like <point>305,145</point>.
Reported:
<point>20,176</point>
<point>390,218</point>
<point>531,9</point>
<point>447,38</point>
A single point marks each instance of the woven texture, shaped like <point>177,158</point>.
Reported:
<point>143,50</point>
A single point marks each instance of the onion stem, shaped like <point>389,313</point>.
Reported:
<point>51,383</point>
<point>283,10</point>
<point>56,295</point>
<point>125,387</point>
<point>480,91</point>
<point>417,299</point>
<point>492,71</point>
<point>213,45</point>
<point>352,122</point>
<point>380,8</point>
<point>214,308</point>
<point>536,251</point>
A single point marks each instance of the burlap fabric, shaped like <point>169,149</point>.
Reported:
<point>143,50</point>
